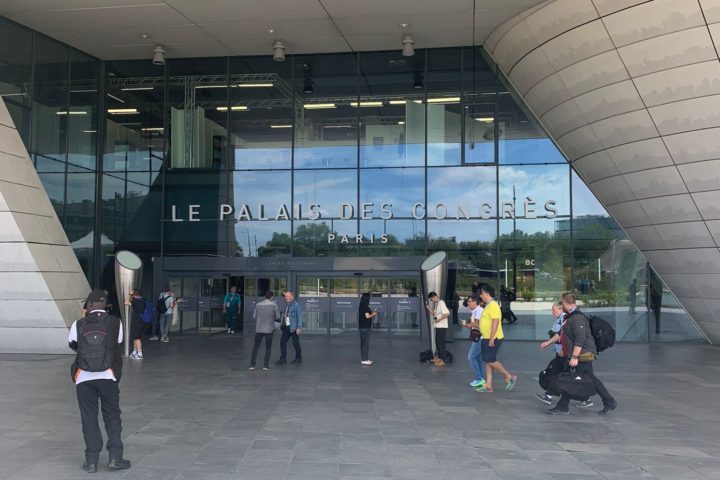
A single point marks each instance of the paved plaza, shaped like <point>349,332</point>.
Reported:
<point>192,410</point>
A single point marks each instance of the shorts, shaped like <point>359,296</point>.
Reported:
<point>137,327</point>
<point>489,355</point>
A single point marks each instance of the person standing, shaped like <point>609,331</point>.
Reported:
<point>506,299</point>
<point>231,307</point>
<point>632,296</point>
<point>475,353</point>
<point>266,313</point>
<point>439,314</point>
<point>167,301</point>
<point>96,372</point>
<point>137,309</point>
<point>579,347</point>
<point>291,326</point>
<point>492,339</point>
<point>365,316</point>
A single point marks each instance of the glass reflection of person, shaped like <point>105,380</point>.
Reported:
<point>365,317</point>
<point>632,296</point>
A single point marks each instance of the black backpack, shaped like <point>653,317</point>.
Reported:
<point>93,352</point>
<point>161,306</point>
<point>602,332</point>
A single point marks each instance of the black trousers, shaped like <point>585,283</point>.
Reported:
<point>256,347</point>
<point>287,335</point>
<point>587,369</point>
<point>364,344</point>
<point>440,342</point>
<point>108,394</point>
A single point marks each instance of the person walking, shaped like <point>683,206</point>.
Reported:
<point>475,353</point>
<point>167,302</point>
<point>231,307</point>
<point>454,307</point>
<point>291,326</point>
<point>578,347</point>
<point>137,326</point>
<point>439,314</point>
<point>365,317</point>
<point>632,296</point>
<point>266,313</point>
<point>96,372</point>
<point>506,299</point>
<point>492,339</point>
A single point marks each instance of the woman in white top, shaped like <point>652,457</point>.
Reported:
<point>439,313</point>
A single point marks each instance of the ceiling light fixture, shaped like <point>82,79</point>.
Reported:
<point>254,85</point>
<point>408,45</point>
<point>144,35</point>
<point>234,108</point>
<point>401,122</point>
<point>123,111</point>
<point>280,126</point>
<point>337,126</point>
<point>485,119</point>
<point>115,98</point>
<point>89,131</point>
<point>211,86</point>
<point>444,100</point>
<point>311,106</point>
<point>136,89</point>
<point>367,104</point>
<point>153,129</point>
<point>278,51</point>
<point>158,55</point>
<point>397,102</point>
<point>271,30</point>
<point>404,25</point>
<point>65,112</point>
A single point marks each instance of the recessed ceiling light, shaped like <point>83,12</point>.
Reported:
<point>271,30</point>
<point>311,106</point>
<point>404,25</point>
<point>123,111</point>
<point>144,35</point>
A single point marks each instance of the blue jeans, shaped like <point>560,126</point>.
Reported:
<point>475,359</point>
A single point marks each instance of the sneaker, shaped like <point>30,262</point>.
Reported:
<point>229,330</point>
<point>367,362</point>
<point>558,411</point>
<point>484,389</point>
<point>266,369</point>
<point>252,367</point>
<point>133,355</point>
<point>139,355</point>
<point>585,404</point>
<point>477,383</point>
<point>232,332</point>
<point>545,398</point>
<point>510,384</point>
<point>608,407</point>
<point>154,337</point>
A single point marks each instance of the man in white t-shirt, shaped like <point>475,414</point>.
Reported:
<point>439,314</point>
<point>475,353</point>
<point>96,372</point>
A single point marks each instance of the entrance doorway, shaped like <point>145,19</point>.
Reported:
<point>330,303</point>
<point>200,303</point>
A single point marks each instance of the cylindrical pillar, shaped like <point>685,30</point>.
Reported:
<point>434,279</point>
<point>128,272</point>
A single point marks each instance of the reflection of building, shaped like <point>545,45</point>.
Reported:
<point>244,170</point>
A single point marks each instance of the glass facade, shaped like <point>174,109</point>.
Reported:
<point>368,154</point>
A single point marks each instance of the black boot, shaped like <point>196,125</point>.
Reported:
<point>282,361</point>
<point>89,467</point>
<point>118,464</point>
<point>608,407</point>
<point>297,361</point>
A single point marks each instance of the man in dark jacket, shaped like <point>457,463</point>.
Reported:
<point>93,384</point>
<point>579,348</point>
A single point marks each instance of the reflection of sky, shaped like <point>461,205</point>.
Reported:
<point>331,156</point>
<point>274,158</point>
<point>401,155</point>
<point>539,182</point>
<point>529,150</point>
<point>467,187</point>
<point>529,226</point>
<point>401,187</point>
<point>584,201</point>
<point>271,189</point>
<point>328,188</point>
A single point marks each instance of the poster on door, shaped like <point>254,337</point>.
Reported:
<point>404,304</point>
<point>379,304</point>
<point>313,304</point>
<point>345,304</point>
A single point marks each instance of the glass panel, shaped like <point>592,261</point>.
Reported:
<point>262,239</point>
<point>198,113</point>
<point>537,191</point>
<point>461,192</point>
<point>134,117</point>
<point>16,77</point>
<point>212,318</point>
<point>392,238</point>
<point>79,221</point>
<point>313,299</point>
<point>50,105</point>
<point>329,190</point>
<point>261,136</point>
<point>326,238</point>
<point>379,301</point>
<point>444,111</point>
<point>390,192</point>
<point>189,315</point>
<point>404,306</point>
<point>345,300</point>
<point>82,134</point>
<point>175,285</point>
<point>326,124</point>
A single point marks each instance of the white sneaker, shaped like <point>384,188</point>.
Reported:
<point>232,332</point>
<point>367,362</point>
<point>154,337</point>
<point>133,355</point>
<point>229,330</point>
<point>139,356</point>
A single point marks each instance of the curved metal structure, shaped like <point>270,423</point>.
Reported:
<point>434,279</point>
<point>128,272</point>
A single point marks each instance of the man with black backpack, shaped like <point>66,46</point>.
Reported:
<point>578,346</point>
<point>96,372</point>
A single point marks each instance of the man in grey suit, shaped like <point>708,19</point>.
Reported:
<point>266,313</point>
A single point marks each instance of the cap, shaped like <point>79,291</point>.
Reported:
<point>97,299</point>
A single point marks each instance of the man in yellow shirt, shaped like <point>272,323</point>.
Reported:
<point>492,338</point>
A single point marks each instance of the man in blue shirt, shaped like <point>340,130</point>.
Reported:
<point>291,325</point>
<point>231,307</point>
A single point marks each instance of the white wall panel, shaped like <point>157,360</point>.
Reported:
<point>651,19</point>
<point>641,155</point>
<point>688,81</point>
<point>701,176</point>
